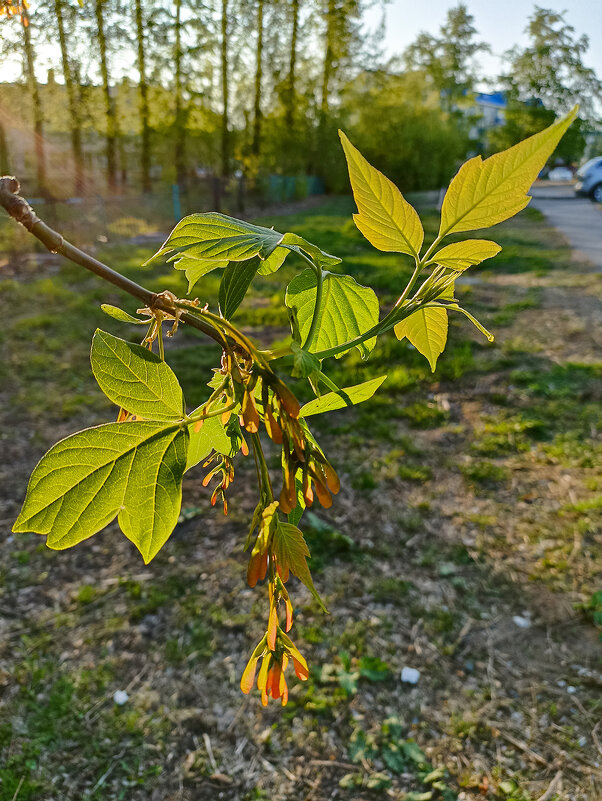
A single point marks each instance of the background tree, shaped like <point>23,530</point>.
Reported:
<point>546,78</point>
<point>65,19</point>
<point>144,111</point>
<point>449,59</point>
<point>225,87</point>
<point>38,113</point>
<point>112,125</point>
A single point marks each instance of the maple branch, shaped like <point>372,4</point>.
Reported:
<point>20,210</point>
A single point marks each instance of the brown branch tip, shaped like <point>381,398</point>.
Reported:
<point>17,207</point>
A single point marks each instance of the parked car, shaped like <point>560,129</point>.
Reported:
<point>589,180</point>
<point>560,174</point>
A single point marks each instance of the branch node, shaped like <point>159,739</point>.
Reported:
<point>18,208</point>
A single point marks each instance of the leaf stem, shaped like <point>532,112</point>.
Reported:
<point>328,382</point>
<point>265,476</point>
<point>160,340</point>
<point>192,418</point>
<point>317,268</point>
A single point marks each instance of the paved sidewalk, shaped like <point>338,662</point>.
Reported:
<point>578,219</point>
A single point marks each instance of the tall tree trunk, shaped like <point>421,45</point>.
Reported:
<point>112,125</point>
<point>4,167</point>
<point>256,144</point>
<point>38,117</point>
<point>73,101</point>
<point>145,152</point>
<point>180,120</point>
<point>328,59</point>
<point>225,92</point>
<point>291,94</point>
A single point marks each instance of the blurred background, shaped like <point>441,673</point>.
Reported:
<point>236,103</point>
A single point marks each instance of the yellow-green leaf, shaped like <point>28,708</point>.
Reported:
<point>461,255</point>
<point>385,217</point>
<point>349,396</point>
<point>132,471</point>
<point>197,268</point>
<point>484,193</point>
<point>291,553</point>
<point>427,331</point>
<point>347,310</point>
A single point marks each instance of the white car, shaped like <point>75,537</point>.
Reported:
<point>589,180</point>
<point>560,174</point>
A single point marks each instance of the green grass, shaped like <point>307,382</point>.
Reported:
<point>50,725</point>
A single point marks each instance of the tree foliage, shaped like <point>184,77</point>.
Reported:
<point>547,77</point>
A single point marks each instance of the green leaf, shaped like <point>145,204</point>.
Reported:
<point>136,379</point>
<point>122,316</point>
<point>461,255</point>
<point>348,396</point>
<point>291,553</point>
<point>346,311</point>
<point>132,471</point>
<point>292,243</point>
<point>427,331</point>
<point>484,193</point>
<point>385,217</point>
<point>197,268</point>
<point>304,363</point>
<point>216,236</point>
<point>211,436</point>
<point>296,243</point>
<point>235,282</point>
<point>273,262</point>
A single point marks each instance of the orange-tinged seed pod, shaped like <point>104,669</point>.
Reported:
<point>324,497</point>
<point>288,400</point>
<point>272,427</point>
<point>289,614</point>
<point>249,413</point>
<point>257,569</point>
<point>332,480</point>
<point>299,445</point>
<point>272,628</point>
<point>276,674</point>
<point>262,678</point>
<point>300,669</point>
<point>288,496</point>
<point>307,490</point>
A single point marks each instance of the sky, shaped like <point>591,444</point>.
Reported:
<point>500,23</point>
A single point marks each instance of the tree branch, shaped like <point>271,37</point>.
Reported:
<point>20,210</point>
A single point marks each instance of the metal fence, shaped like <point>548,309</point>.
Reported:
<point>125,218</point>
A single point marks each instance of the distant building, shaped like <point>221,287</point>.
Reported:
<point>489,111</point>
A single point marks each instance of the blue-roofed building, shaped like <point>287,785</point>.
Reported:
<point>490,112</point>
